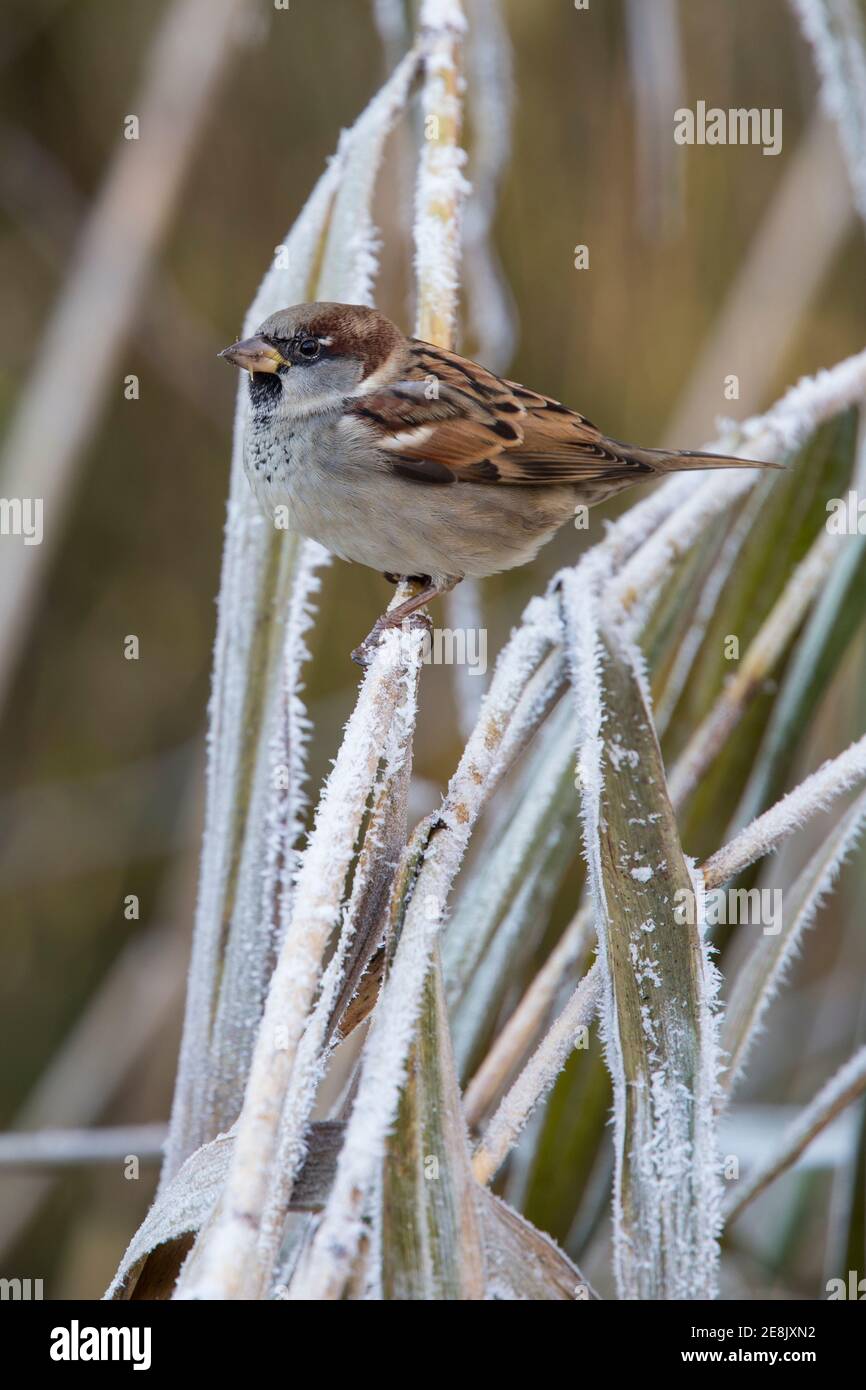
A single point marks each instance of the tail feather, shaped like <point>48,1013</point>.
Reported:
<point>674,460</point>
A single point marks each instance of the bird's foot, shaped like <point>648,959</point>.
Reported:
<point>389,622</point>
<point>366,650</point>
<point>406,612</point>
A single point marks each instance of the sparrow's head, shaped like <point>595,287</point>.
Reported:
<point>311,354</point>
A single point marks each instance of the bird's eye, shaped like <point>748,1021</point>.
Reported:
<point>308,347</point>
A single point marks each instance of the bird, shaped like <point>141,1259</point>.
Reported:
<point>419,463</point>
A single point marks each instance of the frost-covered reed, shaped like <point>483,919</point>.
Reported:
<point>440,939</point>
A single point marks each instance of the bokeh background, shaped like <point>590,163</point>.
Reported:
<point>703,262</point>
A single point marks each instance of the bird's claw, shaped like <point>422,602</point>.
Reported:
<point>364,653</point>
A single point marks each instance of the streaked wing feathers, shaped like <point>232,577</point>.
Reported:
<point>450,420</point>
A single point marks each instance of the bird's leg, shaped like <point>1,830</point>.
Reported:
<point>406,611</point>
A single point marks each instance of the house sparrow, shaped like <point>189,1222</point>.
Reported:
<point>416,461</point>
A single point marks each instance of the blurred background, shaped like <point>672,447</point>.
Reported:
<point>702,263</point>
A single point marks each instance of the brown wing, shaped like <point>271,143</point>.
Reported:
<point>450,420</point>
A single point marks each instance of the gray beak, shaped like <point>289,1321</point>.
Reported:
<point>254,355</point>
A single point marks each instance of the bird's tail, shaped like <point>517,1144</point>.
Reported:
<point>674,460</point>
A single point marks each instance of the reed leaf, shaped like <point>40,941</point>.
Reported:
<point>659,987</point>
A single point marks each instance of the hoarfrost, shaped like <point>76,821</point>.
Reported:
<point>815,793</point>
<point>834,31</point>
